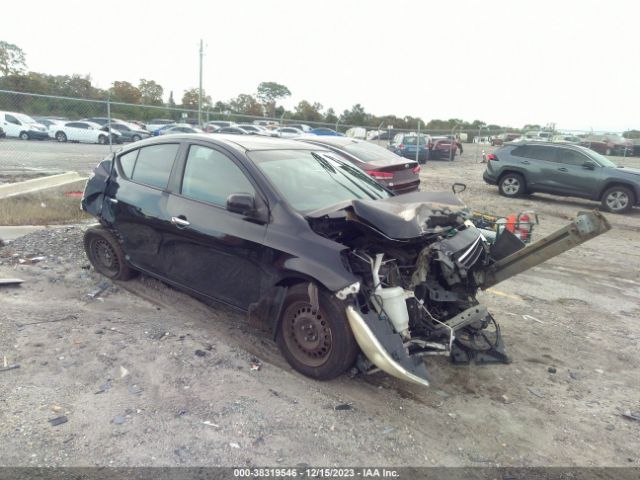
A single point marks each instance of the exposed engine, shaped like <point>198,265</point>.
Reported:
<point>421,262</point>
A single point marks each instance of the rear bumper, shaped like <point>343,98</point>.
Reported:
<point>489,178</point>
<point>405,187</point>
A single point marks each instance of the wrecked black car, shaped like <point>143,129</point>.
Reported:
<point>338,269</point>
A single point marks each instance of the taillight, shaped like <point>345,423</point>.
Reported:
<point>401,146</point>
<point>416,169</point>
<point>380,175</point>
<point>492,156</point>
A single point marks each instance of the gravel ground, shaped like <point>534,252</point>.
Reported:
<point>146,375</point>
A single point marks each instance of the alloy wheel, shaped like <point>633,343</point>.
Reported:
<point>617,200</point>
<point>510,186</point>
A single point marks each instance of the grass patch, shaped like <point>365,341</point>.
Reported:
<point>41,209</point>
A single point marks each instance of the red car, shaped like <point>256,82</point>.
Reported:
<point>504,137</point>
<point>609,144</point>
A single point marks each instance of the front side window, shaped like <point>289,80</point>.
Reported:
<point>571,157</point>
<point>12,119</point>
<point>154,163</point>
<point>210,176</point>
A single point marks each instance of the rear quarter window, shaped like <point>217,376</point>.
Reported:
<point>152,165</point>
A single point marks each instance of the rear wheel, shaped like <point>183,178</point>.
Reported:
<point>316,342</point>
<point>61,137</point>
<point>135,138</point>
<point>618,199</point>
<point>24,136</point>
<point>102,140</point>
<point>106,254</point>
<point>512,185</point>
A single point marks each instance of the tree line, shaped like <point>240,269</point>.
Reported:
<point>14,75</point>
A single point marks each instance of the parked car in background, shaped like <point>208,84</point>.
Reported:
<point>566,138</point>
<point>563,169</point>
<point>301,126</point>
<point>2,134</point>
<point>356,132</point>
<point>235,131</point>
<point>218,124</point>
<point>326,131</point>
<point>288,132</point>
<point>158,123</point>
<point>130,132</point>
<point>104,121</point>
<point>180,128</point>
<point>51,125</point>
<point>19,125</point>
<point>388,169</point>
<point>85,132</point>
<point>408,144</point>
<point>442,147</point>
<point>258,129</point>
<point>503,138</point>
<point>608,144</point>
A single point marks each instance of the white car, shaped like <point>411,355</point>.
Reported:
<point>22,126</point>
<point>85,132</point>
<point>289,132</point>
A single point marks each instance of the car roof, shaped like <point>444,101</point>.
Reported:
<point>547,144</point>
<point>330,140</point>
<point>239,142</point>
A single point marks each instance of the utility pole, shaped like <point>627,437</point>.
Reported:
<point>200,88</point>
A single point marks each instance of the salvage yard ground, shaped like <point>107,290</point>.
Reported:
<point>146,375</point>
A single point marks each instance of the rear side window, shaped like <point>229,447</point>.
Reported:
<point>152,165</point>
<point>211,176</point>
<point>535,152</point>
<point>127,161</point>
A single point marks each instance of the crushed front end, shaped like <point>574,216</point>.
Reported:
<point>421,262</point>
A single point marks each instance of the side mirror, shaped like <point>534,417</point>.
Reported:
<point>242,203</point>
<point>589,165</point>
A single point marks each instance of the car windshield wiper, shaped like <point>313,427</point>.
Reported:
<point>332,171</point>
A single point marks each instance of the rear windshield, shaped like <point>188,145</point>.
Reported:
<point>412,140</point>
<point>368,152</point>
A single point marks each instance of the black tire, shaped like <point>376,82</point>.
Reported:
<point>24,136</point>
<point>106,255</point>
<point>61,137</point>
<point>102,140</point>
<point>136,138</point>
<point>318,344</point>
<point>512,185</point>
<point>618,199</point>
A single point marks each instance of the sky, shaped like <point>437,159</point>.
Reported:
<point>572,63</point>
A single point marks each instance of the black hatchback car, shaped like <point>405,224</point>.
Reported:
<point>563,169</point>
<point>317,253</point>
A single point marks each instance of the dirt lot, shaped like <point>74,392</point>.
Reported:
<point>147,375</point>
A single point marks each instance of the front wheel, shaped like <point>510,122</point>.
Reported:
<point>512,185</point>
<point>316,342</point>
<point>61,137</point>
<point>106,255</point>
<point>24,136</point>
<point>618,199</point>
<point>136,138</point>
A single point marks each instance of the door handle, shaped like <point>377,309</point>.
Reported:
<point>112,200</point>
<point>562,169</point>
<point>525,162</point>
<point>180,222</point>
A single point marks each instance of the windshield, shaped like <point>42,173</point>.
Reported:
<point>311,181</point>
<point>601,159</point>
<point>411,140</point>
<point>369,152</point>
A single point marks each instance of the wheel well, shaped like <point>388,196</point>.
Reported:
<point>502,175</point>
<point>619,184</point>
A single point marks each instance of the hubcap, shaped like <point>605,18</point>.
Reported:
<point>617,200</point>
<point>307,335</point>
<point>510,186</point>
<point>105,256</point>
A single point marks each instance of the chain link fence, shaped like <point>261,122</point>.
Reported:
<point>46,132</point>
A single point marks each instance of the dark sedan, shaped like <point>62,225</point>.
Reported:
<point>390,170</point>
<point>563,169</point>
<point>130,134</point>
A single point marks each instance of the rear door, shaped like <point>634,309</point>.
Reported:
<point>136,203</point>
<point>530,161</point>
<point>211,250</point>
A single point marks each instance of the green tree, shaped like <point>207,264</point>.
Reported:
<point>355,116</point>
<point>308,112</point>
<point>12,59</point>
<point>125,92</point>
<point>190,99</point>
<point>269,92</point>
<point>150,92</point>
<point>330,116</point>
<point>245,104</point>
